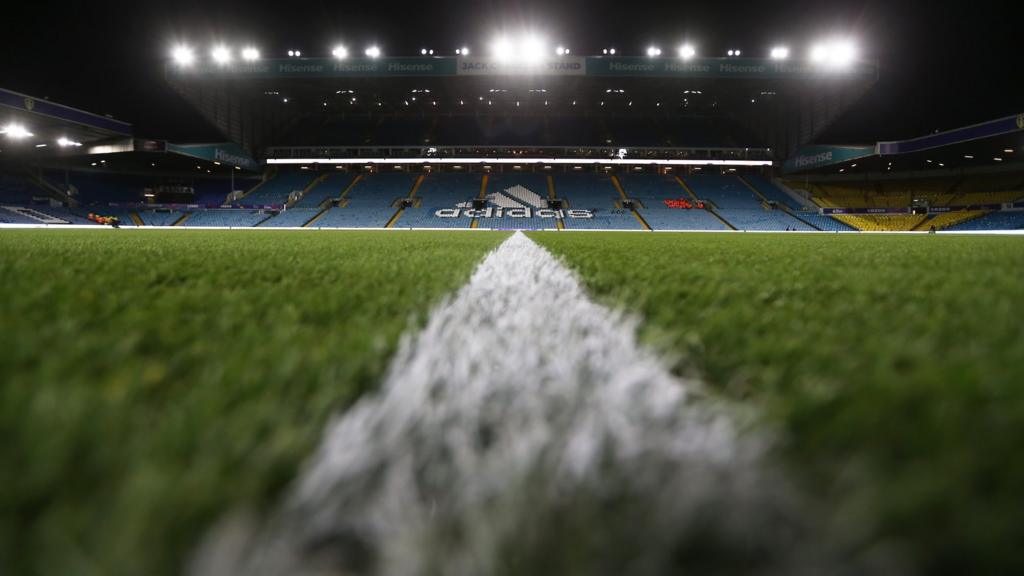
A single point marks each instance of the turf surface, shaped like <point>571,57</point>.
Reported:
<point>893,365</point>
<point>152,380</point>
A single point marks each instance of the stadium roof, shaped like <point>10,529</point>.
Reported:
<point>29,123</point>
<point>996,144</point>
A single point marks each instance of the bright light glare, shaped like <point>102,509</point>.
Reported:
<point>653,51</point>
<point>250,54</point>
<point>64,142</point>
<point>16,131</point>
<point>373,52</point>
<point>183,55</point>
<point>834,53</point>
<point>502,49</point>
<point>560,51</point>
<point>221,54</point>
<point>780,53</point>
<point>532,48</point>
<point>339,52</point>
<point>687,51</point>
<point>465,51</point>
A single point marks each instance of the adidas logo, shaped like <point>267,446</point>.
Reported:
<point>514,202</point>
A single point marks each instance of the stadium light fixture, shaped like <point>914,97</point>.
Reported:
<point>65,143</point>
<point>183,55</point>
<point>653,51</point>
<point>780,53</point>
<point>250,54</point>
<point>502,49</point>
<point>835,54</point>
<point>736,53</point>
<point>561,51</point>
<point>373,52</point>
<point>340,52</point>
<point>519,161</point>
<point>295,54</point>
<point>531,48</point>
<point>687,51</point>
<point>16,132</point>
<point>221,54</point>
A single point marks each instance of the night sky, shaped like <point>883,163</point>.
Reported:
<point>944,64</point>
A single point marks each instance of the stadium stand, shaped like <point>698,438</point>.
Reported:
<point>652,190</point>
<point>275,191</point>
<point>740,206</point>
<point>225,218</point>
<point>9,216</point>
<point>101,187</point>
<point>825,223</point>
<point>158,217</point>
<point>513,190</point>
<point>596,193</point>
<point>326,188</point>
<point>291,218</point>
<point>440,191</point>
<point>882,222</point>
<point>993,221</point>
<point>370,203</point>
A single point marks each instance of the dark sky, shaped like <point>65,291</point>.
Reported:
<point>944,64</point>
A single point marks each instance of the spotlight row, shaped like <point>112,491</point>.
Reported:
<point>838,52</point>
<point>16,131</point>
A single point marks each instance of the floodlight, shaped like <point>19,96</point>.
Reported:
<point>221,54</point>
<point>250,54</point>
<point>834,53</point>
<point>738,53</point>
<point>423,51</point>
<point>687,51</point>
<point>532,49</point>
<point>373,52</point>
<point>780,53</point>
<point>64,142</point>
<point>183,55</point>
<point>502,49</point>
<point>561,51</point>
<point>653,51</point>
<point>16,131</point>
<point>731,52</point>
<point>340,52</point>
<point>611,51</point>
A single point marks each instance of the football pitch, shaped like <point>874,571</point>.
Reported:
<point>154,381</point>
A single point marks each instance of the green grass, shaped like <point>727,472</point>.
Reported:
<point>893,366</point>
<point>150,381</point>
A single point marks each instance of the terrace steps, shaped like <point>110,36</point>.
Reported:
<point>552,196</point>
<point>318,216</point>
<point>483,195</point>
<point>181,220</point>
<point>687,188</point>
<point>136,219</point>
<point>316,182</point>
<point>412,195</point>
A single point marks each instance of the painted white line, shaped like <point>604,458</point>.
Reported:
<point>523,427</point>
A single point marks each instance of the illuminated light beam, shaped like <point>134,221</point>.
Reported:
<point>481,160</point>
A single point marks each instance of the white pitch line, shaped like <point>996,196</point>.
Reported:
<point>523,422</point>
